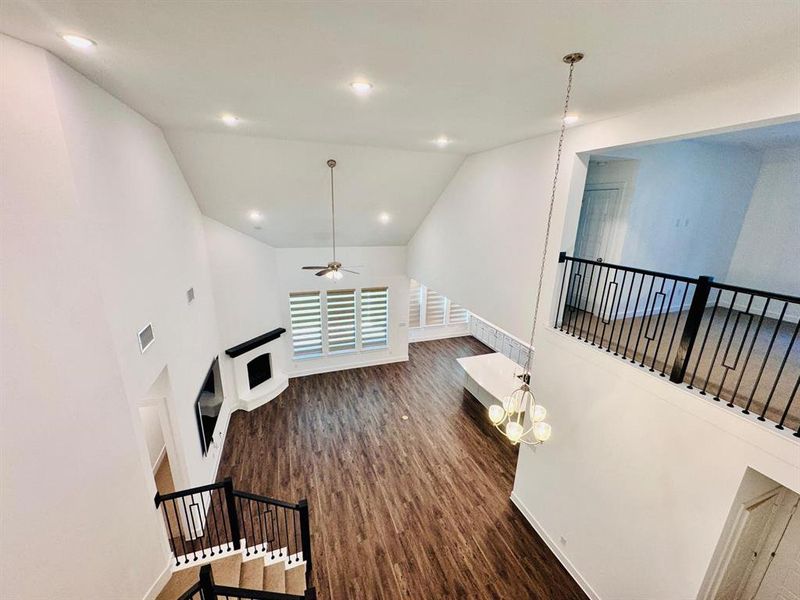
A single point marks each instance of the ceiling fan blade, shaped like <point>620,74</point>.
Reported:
<point>324,271</point>
<point>314,268</point>
<point>349,271</point>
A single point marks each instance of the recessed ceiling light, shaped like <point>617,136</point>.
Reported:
<point>256,215</point>
<point>442,141</point>
<point>570,119</point>
<point>78,41</point>
<point>230,120</point>
<point>384,217</point>
<point>361,88</point>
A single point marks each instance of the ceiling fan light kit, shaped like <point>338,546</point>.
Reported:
<point>333,270</point>
<point>509,416</point>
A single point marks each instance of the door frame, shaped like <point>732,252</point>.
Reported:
<point>615,249</point>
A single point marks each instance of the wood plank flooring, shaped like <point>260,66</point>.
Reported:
<point>415,508</point>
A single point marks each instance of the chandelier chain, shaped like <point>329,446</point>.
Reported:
<point>550,216</point>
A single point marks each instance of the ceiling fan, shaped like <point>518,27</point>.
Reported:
<point>333,270</point>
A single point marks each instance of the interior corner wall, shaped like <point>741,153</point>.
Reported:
<point>377,266</point>
<point>77,517</point>
<point>688,206</point>
<point>771,230</point>
<point>145,232</point>
<point>639,474</point>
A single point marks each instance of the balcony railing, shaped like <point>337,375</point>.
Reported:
<point>736,344</point>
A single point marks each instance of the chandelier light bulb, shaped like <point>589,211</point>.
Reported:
<point>496,413</point>
<point>510,404</point>
<point>542,431</point>
<point>334,275</point>
<point>514,431</point>
<point>539,413</point>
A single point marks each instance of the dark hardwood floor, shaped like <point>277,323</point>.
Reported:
<point>415,508</point>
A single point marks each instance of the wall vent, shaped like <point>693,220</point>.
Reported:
<point>190,294</point>
<point>146,337</point>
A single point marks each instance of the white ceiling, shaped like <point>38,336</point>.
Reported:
<point>289,183</point>
<point>483,73</point>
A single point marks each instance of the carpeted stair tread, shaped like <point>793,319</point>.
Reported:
<point>296,580</point>
<point>178,583</point>
<point>275,578</point>
<point>252,574</point>
<point>226,570</point>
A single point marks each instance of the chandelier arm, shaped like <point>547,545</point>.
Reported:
<point>550,213</point>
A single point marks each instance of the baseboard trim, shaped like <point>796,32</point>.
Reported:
<point>160,459</point>
<point>160,583</point>
<point>554,548</point>
<point>346,367</point>
<point>437,336</point>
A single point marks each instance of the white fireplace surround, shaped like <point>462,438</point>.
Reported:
<point>247,399</point>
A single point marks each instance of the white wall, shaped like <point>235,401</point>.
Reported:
<point>639,475</point>
<point>145,232</point>
<point>244,274</point>
<point>378,266</point>
<point>770,232</point>
<point>687,206</point>
<point>153,436</point>
<point>77,513</point>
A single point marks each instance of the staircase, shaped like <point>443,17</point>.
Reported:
<point>232,544</point>
<point>248,574</point>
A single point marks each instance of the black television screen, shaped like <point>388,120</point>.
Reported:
<point>208,405</point>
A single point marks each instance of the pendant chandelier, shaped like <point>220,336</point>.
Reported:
<point>509,416</point>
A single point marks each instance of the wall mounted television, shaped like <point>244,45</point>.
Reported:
<point>208,405</point>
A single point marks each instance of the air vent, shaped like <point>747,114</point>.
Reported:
<point>190,294</point>
<point>146,337</point>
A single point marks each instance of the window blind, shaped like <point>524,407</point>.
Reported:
<point>457,314</point>
<point>306,321</point>
<point>434,308</point>
<point>374,318</point>
<point>413,304</point>
<point>341,326</point>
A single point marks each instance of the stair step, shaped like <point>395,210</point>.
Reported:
<point>296,580</point>
<point>252,574</point>
<point>275,578</point>
<point>226,570</point>
<point>178,583</point>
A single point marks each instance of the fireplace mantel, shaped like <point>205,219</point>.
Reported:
<point>254,343</point>
<point>242,354</point>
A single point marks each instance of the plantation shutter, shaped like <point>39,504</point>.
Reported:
<point>374,318</point>
<point>341,320</point>
<point>413,303</point>
<point>456,314</point>
<point>306,321</point>
<point>434,308</point>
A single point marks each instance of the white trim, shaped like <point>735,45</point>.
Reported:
<point>328,368</point>
<point>160,582</point>
<point>160,457</point>
<point>223,433</point>
<point>555,549</point>
<point>427,334</point>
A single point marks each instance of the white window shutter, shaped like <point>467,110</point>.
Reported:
<point>374,318</point>
<point>306,322</point>
<point>341,327</point>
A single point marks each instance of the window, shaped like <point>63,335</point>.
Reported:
<point>341,312</point>
<point>413,304</point>
<point>306,319</point>
<point>374,318</point>
<point>434,308</point>
<point>339,321</point>
<point>456,313</point>
<point>429,308</point>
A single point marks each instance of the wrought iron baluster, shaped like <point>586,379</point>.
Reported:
<point>780,371</point>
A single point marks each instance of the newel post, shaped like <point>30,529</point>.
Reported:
<point>207,583</point>
<point>305,537</point>
<point>691,327</point>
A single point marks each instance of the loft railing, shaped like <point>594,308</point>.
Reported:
<point>213,519</point>
<point>206,589</point>
<point>736,344</point>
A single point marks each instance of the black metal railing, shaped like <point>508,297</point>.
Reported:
<point>207,589</point>
<point>737,344</point>
<point>212,519</point>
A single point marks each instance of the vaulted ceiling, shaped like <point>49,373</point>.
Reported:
<point>482,73</point>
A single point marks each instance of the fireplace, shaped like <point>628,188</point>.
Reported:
<point>259,370</point>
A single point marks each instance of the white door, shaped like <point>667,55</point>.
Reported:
<point>601,231</point>
<point>602,224</point>
<point>782,580</point>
